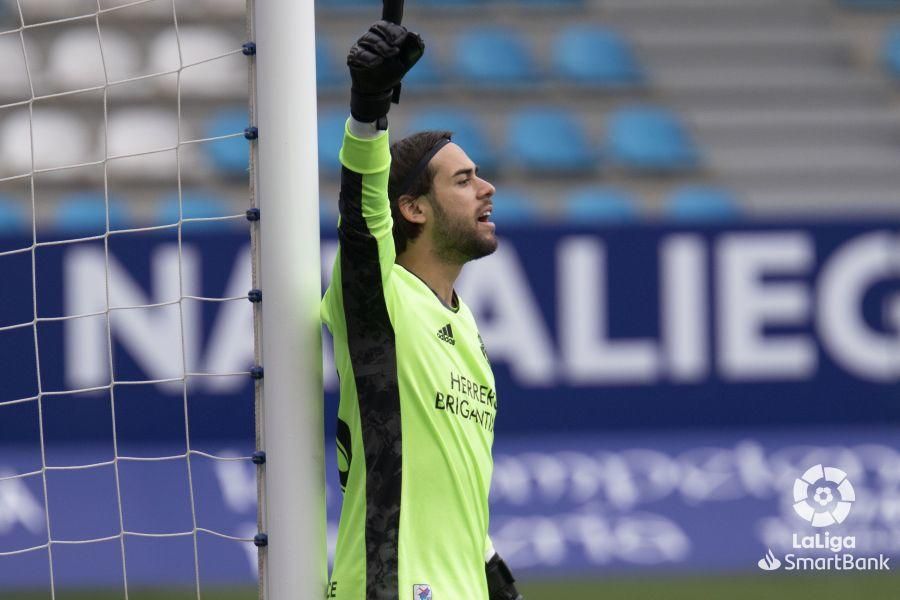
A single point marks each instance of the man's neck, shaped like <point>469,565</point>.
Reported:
<point>438,275</point>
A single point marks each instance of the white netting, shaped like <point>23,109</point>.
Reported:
<point>113,95</point>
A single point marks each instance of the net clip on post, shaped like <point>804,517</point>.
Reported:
<point>252,214</point>
<point>261,540</point>
<point>249,48</point>
<point>256,372</point>
<point>251,132</point>
<point>254,296</point>
<point>258,457</point>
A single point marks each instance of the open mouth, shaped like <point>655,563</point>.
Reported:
<point>485,217</point>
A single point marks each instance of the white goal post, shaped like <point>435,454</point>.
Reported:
<point>292,500</point>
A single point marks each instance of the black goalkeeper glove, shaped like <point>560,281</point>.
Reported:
<point>500,582</point>
<point>378,61</point>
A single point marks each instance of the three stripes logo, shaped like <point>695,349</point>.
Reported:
<point>445,334</point>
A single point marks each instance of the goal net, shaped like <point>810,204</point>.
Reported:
<point>131,327</point>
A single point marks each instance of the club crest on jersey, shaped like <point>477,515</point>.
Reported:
<point>445,334</point>
<point>422,591</point>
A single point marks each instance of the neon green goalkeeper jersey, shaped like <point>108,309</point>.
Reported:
<point>416,415</point>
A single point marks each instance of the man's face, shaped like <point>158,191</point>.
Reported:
<point>461,201</point>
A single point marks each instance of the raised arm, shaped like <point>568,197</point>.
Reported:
<point>365,223</point>
<point>377,62</point>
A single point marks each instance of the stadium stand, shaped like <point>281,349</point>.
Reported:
<point>427,72</point>
<point>196,53</point>
<point>514,207</point>
<point>466,132</point>
<point>135,130</point>
<point>331,134</point>
<point>495,57</point>
<point>13,75</point>
<point>587,54</point>
<point>229,156</point>
<point>327,69</point>
<point>598,204</point>
<point>84,213</point>
<point>892,51</point>
<point>75,59</point>
<point>701,203</point>
<point>790,106</point>
<point>58,140</point>
<point>780,98</point>
<point>195,204</point>
<point>650,139</point>
<point>13,216</point>
<point>549,140</point>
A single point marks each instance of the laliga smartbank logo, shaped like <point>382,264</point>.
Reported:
<point>769,562</point>
<point>823,496</point>
<point>832,499</point>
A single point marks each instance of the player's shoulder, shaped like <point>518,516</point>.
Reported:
<point>402,276</point>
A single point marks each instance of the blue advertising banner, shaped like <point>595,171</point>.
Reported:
<point>561,506</point>
<point>665,394</point>
<point>639,328</point>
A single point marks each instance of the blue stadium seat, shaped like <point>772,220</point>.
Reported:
<point>85,213</point>
<point>331,136</point>
<point>467,133</point>
<point>549,140</point>
<point>195,204</point>
<point>692,203</point>
<point>891,51</point>
<point>512,207</point>
<point>230,156</point>
<point>649,138</point>
<point>494,57</point>
<point>427,72</point>
<point>328,72</point>
<point>13,217</point>
<point>600,204</point>
<point>587,54</point>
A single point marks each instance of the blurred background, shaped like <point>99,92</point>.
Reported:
<point>696,299</point>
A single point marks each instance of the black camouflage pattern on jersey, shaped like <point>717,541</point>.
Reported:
<point>372,347</point>
<point>344,446</point>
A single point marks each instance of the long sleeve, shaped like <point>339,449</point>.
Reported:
<point>366,253</point>
<point>365,213</point>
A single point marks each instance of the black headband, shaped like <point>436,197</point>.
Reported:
<point>411,177</point>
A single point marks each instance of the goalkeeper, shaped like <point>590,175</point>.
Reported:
<point>417,408</point>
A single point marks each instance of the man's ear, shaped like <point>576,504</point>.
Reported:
<point>412,208</point>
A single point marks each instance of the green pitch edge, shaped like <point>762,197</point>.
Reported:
<point>739,587</point>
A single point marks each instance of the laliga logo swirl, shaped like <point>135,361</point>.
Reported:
<point>814,496</point>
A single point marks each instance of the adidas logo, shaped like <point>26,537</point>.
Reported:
<point>445,333</point>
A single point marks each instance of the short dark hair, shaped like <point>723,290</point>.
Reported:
<point>405,155</point>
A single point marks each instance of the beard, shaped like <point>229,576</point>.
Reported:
<point>459,240</point>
